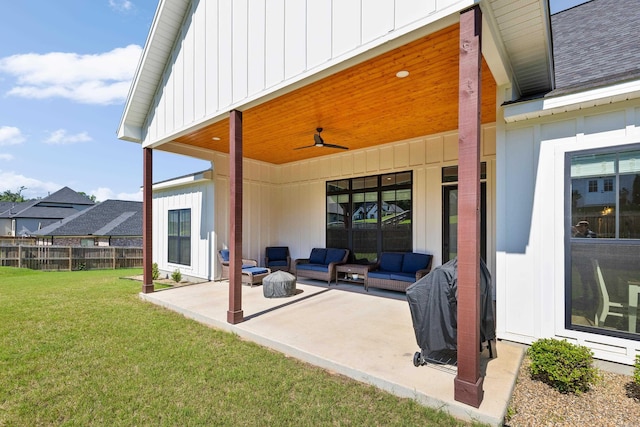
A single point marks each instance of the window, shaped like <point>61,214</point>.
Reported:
<point>608,184</point>
<point>593,186</point>
<point>179,236</point>
<point>370,215</point>
<point>604,241</point>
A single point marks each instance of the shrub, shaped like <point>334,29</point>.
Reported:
<point>176,275</point>
<point>155,272</point>
<point>565,366</point>
<point>636,371</point>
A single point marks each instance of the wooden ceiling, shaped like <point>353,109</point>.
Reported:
<point>360,107</point>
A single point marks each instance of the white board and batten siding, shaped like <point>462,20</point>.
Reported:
<point>531,216</point>
<point>198,196</point>
<point>230,54</point>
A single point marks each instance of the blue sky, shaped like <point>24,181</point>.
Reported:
<point>65,71</point>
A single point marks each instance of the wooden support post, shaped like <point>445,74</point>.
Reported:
<point>468,382</point>
<point>147,220</point>
<point>234,314</point>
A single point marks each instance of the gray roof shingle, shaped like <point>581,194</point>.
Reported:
<point>596,44</point>
<point>108,218</point>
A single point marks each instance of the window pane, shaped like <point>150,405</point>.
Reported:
<point>336,186</point>
<point>185,222</point>
<point>173,249</point>
<point>396,208</point>
<point>602,274</point>
<point>365,210</point>
<point>336,211</point>
<point>185,250</point>
<point>630,162</point>
<point>173,223</point>
<point>630,206</point>
<point>592,165</point>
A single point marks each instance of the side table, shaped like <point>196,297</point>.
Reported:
<point>352,273</point>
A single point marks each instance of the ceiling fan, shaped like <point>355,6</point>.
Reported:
<point>319,142</point>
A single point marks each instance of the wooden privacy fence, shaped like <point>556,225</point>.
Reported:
<point>70,258</point>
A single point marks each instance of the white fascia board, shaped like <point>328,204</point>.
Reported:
<point>576,101</point>
<point>130,133</point>
<point>184,180</point>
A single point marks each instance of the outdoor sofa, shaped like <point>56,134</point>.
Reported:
<point>396,271</point>
<point>321,264</point>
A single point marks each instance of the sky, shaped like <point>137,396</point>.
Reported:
<point>65,71</point>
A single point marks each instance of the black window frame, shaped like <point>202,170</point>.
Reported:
<point>179,245</point>
<point>381,184</point>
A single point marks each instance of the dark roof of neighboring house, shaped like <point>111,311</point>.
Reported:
<point>108,218</point>
<point>596,44</point>
<point>67,196</point>
<point>57,205</point>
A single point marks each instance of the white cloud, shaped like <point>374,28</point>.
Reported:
<point>33,187</point>
<point>60,137</point>
<point>11,136</point>
<point>121,5</point>
<point>103,194</point>
<point>6,157</point>
<point>102,78</point>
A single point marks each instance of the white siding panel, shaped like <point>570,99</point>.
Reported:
<point>295,38</point>
<point>450,147</point>
<point>274,37</point>
<point>385,158</point>
<point>199,63</point>
<point>346,28</point>
<point>377,19</point>
<point>239,46</point>
<point>408,11</point>
<point>416,153</point>
<point>434,149</point>
<point>210,84</point>
<point>225,53</point>
<point>318,32</point>
<point>167,108</point>
<point>610,124</point>
<point>256,47</point>
<point>188,89</point>
<point>401,156</point>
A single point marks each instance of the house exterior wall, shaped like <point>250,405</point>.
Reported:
<point>199,198</point>
<point>531,213</point>
<point>5,227</point>
<point>264,46</point>
<point>286,204</point>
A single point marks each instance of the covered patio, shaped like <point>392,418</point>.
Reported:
<point>319,325</point>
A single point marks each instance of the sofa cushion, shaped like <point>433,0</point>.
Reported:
<point>277,253</point>
<point>391,261</point>
<point>379,275</point>
<point>277,263</point>
<point>404,277</point>
<point>334,255</point>
<point>317,256</point>
<point>313,267</point>
<point>413,262</point>
<point>255,270</point>
<point>224,253</point>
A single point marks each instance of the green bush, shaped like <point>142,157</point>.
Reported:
<point>636,371</point>
<point>565,366</point>
<point>155,272</point>
<point>176,275</point>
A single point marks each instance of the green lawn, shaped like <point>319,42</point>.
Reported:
<point>81,348</point>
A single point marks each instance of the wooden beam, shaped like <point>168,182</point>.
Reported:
<point>147,220</point>
<point>468,382</point>
<point>234,314</point>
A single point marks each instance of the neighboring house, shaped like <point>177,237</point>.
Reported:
<point>244,85</point>
<point>22,219</point>
<point>108,223</point>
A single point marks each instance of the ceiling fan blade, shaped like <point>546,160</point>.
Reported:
<point>306,146</point>
<point>318,139</point>
<point>340,147</point>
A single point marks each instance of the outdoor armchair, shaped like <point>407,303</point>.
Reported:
<point>277,258</point>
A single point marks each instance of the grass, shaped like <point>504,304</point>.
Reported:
<point>81,348</point>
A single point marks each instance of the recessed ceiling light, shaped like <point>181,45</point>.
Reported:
<point>216,138</point>
<point>402,74</point>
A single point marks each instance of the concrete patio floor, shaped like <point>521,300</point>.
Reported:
<point>366,336</point>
